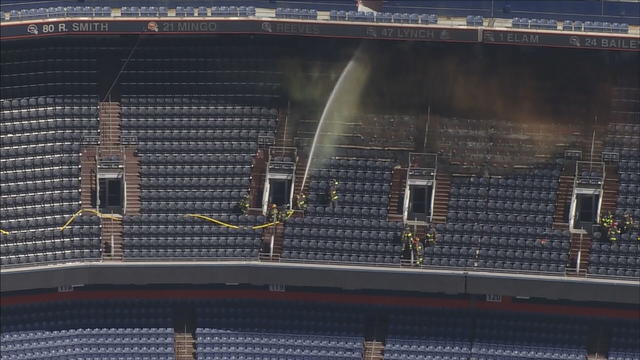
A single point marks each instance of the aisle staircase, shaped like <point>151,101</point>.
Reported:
<point>441,197</point>
<point>374,337</point>
<point>610,190</point>
<point>580,243</point>
<point>88,177</point>
<point>110,126</point>
<point>598,342</point>
<point>132,181</point>
<point>277,231</point>
<point>396,194</point>
<point>111,235</point>
<point>563,202</point>
<point>184,330</point>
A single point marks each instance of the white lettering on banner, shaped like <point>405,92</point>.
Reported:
<point>620,43</point>
<point>293,28</point>
<point>197,27</point>
<point>86,27</point>
<point>408,33</point>
<point>516,38</point>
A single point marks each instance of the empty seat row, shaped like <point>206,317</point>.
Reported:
<point>474,20</point>
<point>194,159</point>
<point>46,137</point>
<point>173,147</point>
<point>40,210</point>
<point>169,195</point>
<point>222,124</point>
<point>546,24</point>
<point>186,111</point>
<point>144,11</point>
<point>56,12</point>
<point>195,135</point>
<point>348,212</point>
<point>304,14</point>
<point>368,237</point>
<point>509,243</point>
<point>241,11</point>
<point>46,101</point>
<point>383,17</point>
<point>190,253</point>
<point>34,186</point>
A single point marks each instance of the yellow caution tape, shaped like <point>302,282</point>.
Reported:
<point>4,232</point>
<point>265,225</point>
<point>213,220</point>
<point>77,213</point>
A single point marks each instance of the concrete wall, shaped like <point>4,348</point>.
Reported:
<point>323,276</point>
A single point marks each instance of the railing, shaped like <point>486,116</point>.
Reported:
<point>590,174</point>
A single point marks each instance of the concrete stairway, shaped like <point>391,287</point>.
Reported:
<point>184,330</point>
<point>184,345</point>
<point>610,190</point>
<point>301,164</point>
<point>598,342</point>
<point>374,338</point>
<point>277,231</point>
<point>563,201</point>
<point>286,130</point>
<point>396,194</point>
<point>373,350</point>
<point>132,181</point>
<point>582,245</point>
<point>88,177</point>
<point>258,174</point>
<point>110,128</point>
<point>111,235</point>
<point>441,197</point>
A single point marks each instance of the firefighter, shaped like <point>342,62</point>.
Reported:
<point>244,204</point>
<point>282,214</point>
<point>610,226</point>
<point>333,192</point>
<point>407,236</point>
<point>430,236</point>
<point>301,201</point>
<point>626,224</point>
<point>418,250</point>
<point>272,213</point>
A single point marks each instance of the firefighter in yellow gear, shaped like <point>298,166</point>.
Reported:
<point>333,192</point>
<point>418,250</point>
<point>301,201</point>
<point>273,213</point>
<point>244,204</point>
<point>611,227</point>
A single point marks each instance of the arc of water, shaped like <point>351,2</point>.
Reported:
<point>328,106</point>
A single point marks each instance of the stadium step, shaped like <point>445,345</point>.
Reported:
<point>109,124</point>
<point>258,174</point>
<point>563,200</point>
<point>184,345</point>
<point>441,197</point>
<point>88,177</point>
<point>598,342</point>
<point>111,234</point>
<point>277,232</point>
<point>396,194</point>
<point>285,133</point>
<point>301,164</point>
<point>374,337</point>
<point>579,243</point>
<point>132,181</point>
<point>373,350</point>
<point>610,190</point>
